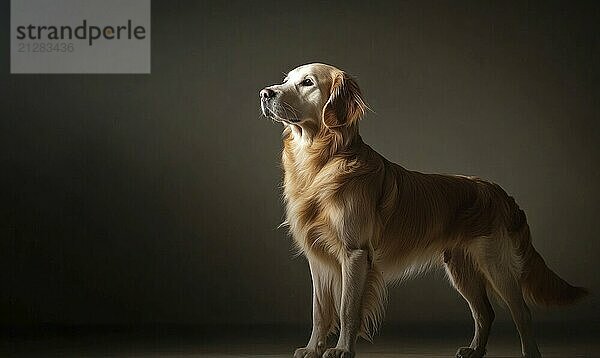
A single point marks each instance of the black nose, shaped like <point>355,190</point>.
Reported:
<point>267,93</point>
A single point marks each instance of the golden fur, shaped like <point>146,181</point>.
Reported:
<point>343,199</point>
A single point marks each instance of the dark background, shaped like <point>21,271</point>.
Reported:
<point>135,199</point>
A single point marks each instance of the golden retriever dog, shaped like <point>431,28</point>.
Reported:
<point>363,222</point>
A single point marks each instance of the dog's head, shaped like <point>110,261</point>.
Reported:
<point>313,98</point>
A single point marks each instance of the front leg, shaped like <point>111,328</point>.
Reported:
<point>326,282</point>
<point>354,274</point>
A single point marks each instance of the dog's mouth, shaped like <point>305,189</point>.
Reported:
<point>266,111</point>
<point>273,113</point>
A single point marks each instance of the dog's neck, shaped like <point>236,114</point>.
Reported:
<point>338,139</point>
<point>307,150</point>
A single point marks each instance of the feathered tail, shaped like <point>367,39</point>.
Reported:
<point>540,284</point>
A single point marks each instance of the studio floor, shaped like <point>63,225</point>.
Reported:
<point>277,341</point>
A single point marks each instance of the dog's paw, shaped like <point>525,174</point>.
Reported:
<point>468,352</point>
<point>338,353</point>
<point>306,353</point>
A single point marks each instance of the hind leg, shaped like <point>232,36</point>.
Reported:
<point>500,272</point>
<point>471,284</point>
<point>510,290</point>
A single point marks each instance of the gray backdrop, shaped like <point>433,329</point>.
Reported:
<point>156,198</point>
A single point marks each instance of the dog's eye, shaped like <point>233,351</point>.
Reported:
<point>307,82</point>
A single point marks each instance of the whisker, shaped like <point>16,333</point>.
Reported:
<point>292,109</point>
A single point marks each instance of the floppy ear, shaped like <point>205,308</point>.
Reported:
<point>345,105</point>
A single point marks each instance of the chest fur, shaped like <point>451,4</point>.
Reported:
<point>314,212</point>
